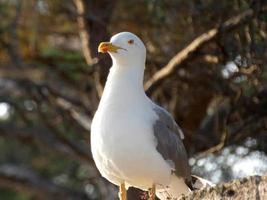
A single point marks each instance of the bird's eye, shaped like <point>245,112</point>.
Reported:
<point>130,41</point>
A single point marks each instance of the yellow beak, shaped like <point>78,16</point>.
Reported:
<point>105,47</point>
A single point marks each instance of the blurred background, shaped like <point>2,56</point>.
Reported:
<point>51,80</point>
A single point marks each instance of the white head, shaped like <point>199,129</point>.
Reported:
<point>125,49</point>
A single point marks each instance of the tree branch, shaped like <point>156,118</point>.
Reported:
<point>93,31</point>
<point>186,53</point>
<point>25,180</point>
<point>44,136</point>
<point>84,34</point>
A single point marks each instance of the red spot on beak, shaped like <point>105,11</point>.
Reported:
<point>104,49</point>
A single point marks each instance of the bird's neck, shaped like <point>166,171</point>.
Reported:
<point>124,84</point>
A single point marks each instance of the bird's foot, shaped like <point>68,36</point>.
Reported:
<point>152,192</point>
<point>123,192</point>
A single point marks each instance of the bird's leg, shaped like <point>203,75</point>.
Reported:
<point>123,192</point>
<point>152,192</point>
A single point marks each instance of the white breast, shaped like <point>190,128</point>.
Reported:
<point>124,148</point>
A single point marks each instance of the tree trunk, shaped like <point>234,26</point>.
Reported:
<point>251,188</point>
<point>93,18</point>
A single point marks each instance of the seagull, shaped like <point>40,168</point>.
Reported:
<point>134,142</point>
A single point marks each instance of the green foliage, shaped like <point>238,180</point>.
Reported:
<point>11,195</point>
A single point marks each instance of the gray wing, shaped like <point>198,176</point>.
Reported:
<point>169,143</point>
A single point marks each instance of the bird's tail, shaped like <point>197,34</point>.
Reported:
<point>178,187</point>
<point>199,183</point>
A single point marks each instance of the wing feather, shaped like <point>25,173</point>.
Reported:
<point>169,142</point>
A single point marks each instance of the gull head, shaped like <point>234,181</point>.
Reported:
<point>125,49</point>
